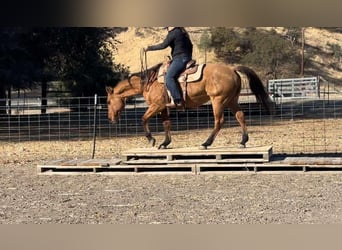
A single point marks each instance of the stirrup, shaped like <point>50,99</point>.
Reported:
<point>174,105</point>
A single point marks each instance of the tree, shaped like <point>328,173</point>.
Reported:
<point>35,56</point>
<point>231,45</point>
<point>85,59</point>
<point>16,66</point>
<point>204,44</point>
<point>268,51</point>
<point>336,52</point>
<point>272,53</point>
<point>293,34</point>
<point>41,44</point>
<point>225,42</point>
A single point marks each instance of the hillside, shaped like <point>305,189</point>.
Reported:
<point>134,39</point>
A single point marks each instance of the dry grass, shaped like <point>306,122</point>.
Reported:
<point>135,39</point>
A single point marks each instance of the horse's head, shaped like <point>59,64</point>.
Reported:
<point>115,104</point>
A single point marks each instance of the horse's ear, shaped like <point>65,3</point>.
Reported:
<point>109,90</point>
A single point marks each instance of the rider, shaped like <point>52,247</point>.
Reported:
<point>181,51</point>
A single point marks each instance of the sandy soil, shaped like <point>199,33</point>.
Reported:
<point>26,197</point>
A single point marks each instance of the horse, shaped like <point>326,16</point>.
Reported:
<point>220,84</point>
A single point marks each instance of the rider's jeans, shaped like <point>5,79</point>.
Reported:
<point>178,64</point>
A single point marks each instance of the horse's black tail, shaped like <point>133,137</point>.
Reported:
<point>257,87</point>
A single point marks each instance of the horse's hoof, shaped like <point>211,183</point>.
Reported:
<point>203,147</point>
<point>162,146</point>
<point>242,145</point>
<point>153,142</point>
<point>245,139</point>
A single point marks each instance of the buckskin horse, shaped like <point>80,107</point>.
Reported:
<point>220,84</point>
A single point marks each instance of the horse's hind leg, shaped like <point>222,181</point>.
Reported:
<point>240,117</point>
<point>219,119</point>
<point>148,134</point>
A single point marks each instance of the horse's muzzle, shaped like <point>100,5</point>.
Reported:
<point>114,119</point>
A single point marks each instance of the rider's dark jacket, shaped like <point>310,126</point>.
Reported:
<point>179,42</point>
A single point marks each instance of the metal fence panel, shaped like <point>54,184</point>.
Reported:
<point>317,122</point>
<point>293,88</point>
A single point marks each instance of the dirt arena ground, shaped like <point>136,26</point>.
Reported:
<point>278,197</point>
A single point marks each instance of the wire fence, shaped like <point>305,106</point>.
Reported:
<point>300,126</point>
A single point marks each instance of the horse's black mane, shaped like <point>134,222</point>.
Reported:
<point>155,68</point>
<point>147,73</point>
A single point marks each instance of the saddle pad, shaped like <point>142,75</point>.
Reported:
<point>182,78</point>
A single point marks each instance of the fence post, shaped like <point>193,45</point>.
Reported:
<point>94,126</point>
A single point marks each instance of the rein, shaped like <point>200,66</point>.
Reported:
<point>143,63</point>
<point>146,76</point>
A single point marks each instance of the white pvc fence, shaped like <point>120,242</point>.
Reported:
<point>294,88</point>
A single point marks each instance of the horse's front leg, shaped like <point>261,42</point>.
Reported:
<point>151,111</point>
<point>167,128</point>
